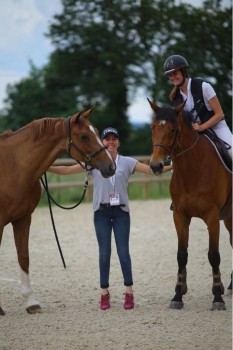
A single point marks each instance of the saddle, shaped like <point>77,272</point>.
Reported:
<point>221,146</point>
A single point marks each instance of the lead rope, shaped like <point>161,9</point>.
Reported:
<point>45,184</point>
<point>50,198</point>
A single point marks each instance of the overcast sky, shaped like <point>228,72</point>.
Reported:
<point>22,27</point>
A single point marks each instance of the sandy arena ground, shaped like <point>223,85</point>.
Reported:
<point>71,318</point>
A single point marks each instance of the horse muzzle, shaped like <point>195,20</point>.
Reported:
<point>107,170</point>
<point>157,168</point>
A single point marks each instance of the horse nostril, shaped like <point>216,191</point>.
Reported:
<point>157,168</point>
<point>113,167</point>
<point>111,170</point>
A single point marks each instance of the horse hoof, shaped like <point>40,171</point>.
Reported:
<point>34,309</point>
<point>218,306</point>
<point>2,313</point>
<point>178,305</point>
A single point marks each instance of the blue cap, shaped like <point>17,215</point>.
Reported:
<point>109,131</point>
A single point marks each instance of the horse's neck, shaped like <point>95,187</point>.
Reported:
<point>188,147</point>
<point>194,155</point>
<point>34,154</point>
<point>187,136</point>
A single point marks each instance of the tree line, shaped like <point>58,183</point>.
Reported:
<point>105,50</point>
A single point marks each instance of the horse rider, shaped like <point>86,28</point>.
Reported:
<point>201,100</point>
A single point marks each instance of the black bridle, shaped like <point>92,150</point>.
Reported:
<point>87,156</point>
<point>171,149</point>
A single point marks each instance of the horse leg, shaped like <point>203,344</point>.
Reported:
<point>228,225</point>
<point>21,234</point>
<point>182,229</point>
<point>229,288</point>
<point>2,313</point>
<point>214,260</point>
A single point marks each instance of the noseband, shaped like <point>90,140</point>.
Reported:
<point>87,156</point>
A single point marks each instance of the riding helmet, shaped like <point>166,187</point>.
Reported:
<point>174,63</point>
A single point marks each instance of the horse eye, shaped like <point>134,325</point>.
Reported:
<point>84,138</point>
<point>173,130</point>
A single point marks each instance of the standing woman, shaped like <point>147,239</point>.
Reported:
<point>111,212</point>
<point>201,99</point>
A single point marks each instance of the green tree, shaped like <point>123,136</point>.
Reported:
<point>104,50</point>
<point>32,98</point>
<point>99,50</point>
<point>203,35</point>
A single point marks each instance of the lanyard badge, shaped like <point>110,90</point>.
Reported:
<point>114,199</point>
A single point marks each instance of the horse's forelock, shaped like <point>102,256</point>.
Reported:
<point>166,113</point>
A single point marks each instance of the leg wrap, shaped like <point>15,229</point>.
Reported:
<point>217,284</point>
<point>181,282</point>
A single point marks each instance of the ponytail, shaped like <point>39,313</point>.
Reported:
<point>175,91</point>
<point>173,94</point>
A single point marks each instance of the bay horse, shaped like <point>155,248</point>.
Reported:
<point>25,156</point>
<point>200,186</point>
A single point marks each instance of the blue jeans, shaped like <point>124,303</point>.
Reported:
<point>106,220</point>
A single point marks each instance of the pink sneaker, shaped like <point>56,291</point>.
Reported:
<point>129,301</point>
<point>105,302</point>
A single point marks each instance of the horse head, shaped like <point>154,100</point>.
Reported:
<point>84,144</point>
<point>165,134</point>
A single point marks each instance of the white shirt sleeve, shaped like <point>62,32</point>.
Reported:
<point>208,93</point>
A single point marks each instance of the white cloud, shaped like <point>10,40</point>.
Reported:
<point>22,27</point>
<point>139,111</point>
<point>19,20</point>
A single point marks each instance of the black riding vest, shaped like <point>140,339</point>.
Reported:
<point>199,104</point>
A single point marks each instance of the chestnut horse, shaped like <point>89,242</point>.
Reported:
<point>25,156</point>
<point>200,187</point>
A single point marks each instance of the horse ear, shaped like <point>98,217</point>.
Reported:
<point>153,105</point>
<point>87,113</point>
<point>180,107</point>
<point>76,117</point>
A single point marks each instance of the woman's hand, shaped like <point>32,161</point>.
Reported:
<point>197,127</point>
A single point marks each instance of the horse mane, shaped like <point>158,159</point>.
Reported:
<point>187,116</point>
<point>46,127</point>
<point>39,128</point>
<point>6,134</point>
<point>166,113</point>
